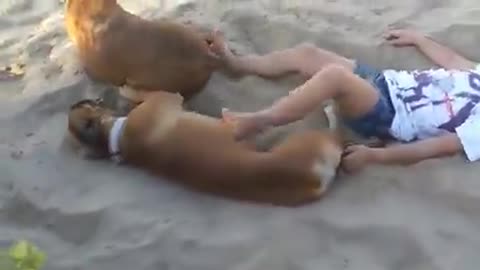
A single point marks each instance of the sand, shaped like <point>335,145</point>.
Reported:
<point>95,215</point>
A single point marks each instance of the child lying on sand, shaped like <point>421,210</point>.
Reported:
<point>436,111</point>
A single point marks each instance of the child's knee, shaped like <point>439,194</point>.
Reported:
<point>335,72</point>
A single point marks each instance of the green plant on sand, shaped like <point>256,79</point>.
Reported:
<point>22,255</point>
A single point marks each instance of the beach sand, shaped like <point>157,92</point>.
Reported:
<point>96,215</point>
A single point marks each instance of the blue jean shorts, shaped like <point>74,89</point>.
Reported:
<point>377,122</point>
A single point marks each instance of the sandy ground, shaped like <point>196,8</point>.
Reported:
<point>94,215</point>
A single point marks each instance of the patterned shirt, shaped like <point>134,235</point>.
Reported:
<point>433,102</point>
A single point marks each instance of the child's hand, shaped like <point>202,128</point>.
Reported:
<point>357,157</point>
<point>402,37</point>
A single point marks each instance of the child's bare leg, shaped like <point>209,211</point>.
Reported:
<point>354,96</point>
<point>305,59</point>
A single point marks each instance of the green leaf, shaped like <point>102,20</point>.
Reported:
<point>27,256</point>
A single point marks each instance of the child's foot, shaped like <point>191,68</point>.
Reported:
<point>221,49</point>
<point>246,124</point>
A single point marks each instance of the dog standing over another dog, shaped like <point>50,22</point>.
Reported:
<point>136,54</point>
<point>158,65</point>
<point>202,153</point>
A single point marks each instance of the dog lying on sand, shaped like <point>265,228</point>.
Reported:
<point>202,153</point>
<point>139,55</point>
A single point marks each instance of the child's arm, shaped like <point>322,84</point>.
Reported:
<point>442,55</point>
<point>438,53</point>
<point>357,157</point>
<point>410,153</point>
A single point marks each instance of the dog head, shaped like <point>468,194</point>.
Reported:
<point>89,122</point>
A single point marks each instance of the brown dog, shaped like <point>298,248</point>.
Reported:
<point>200,151</point>
<point>123,49</point>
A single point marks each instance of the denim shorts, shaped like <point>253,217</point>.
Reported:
<point>377,122</point>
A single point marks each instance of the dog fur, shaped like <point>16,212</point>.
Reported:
<point>201,152</point>
<point>138,55</point>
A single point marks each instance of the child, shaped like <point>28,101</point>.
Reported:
<point>434,112</point>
